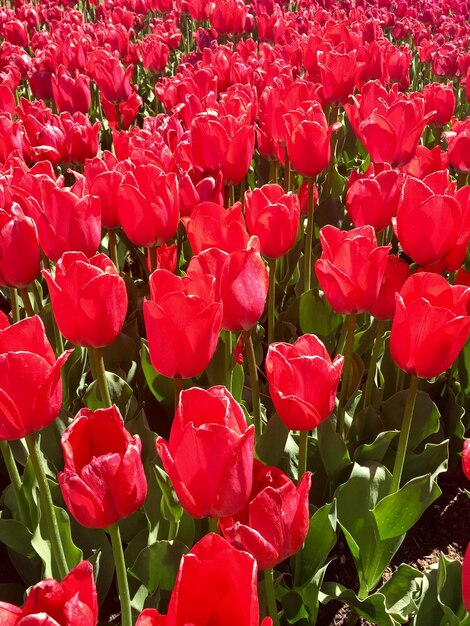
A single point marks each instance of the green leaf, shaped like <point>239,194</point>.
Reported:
<point>316,315</point>
<point>321,538</point>
<point>398,512</point>
<point>333,451</point>
<point>372,608</point>
<point>157,565</point>
<point>375,451</point>
<point>432,460</point>
<point>403,591</point>
<point>169,496</point>
<point>426,416</point>
<point>16,536</point>
<point>119,390</point>
<point>161,386</point>
<point>270,446</point>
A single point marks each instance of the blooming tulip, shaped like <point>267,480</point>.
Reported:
<point>395,275</point>
<point>303,381</point>
<point>103,479</point>
<point>71,94</point>
<point>212,226</point>
<point>19,248</point>
<point>351,268</point>
<point>89,299</point>
<point>458,142</point>
<point>68,603</point>
<point>440,100</point>
<point>274,523</point>
<point>216,585</point>
<point>209,456</point>
<point>273,216</point>
<point>30,383</point>
<point>183,321</point>
<point>431,324</point>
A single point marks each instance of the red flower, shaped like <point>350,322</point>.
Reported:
<point>71,94</point>
<point>50,603</point>
<point>466,579</point>
<point>155,53</point>
<point>303,381</point>
<point>103,479</point>
<point>112,79</point>
<point>396,273</point>
<point>89,299</point>
<point>216,586</point>
<point>229,16</point>
<point>182,320</point>
<point>351,268</point>
<point>431,324</point>
<point>458,142</point>
<point>440,101</point>
<point>30,383</point>
<point>274,523</point>
<point>209,457</point>
<point>273,216</point>
<point>212,226</point>
<point>19,248</point>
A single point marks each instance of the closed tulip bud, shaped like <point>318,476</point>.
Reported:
<point>103,479</point>
<point>212,226</point>
<point>303,381</point>
<point>89,299</point>
<point>396,273</point>
<point>217,480</point>
<point>71,94</point>
<point>273,216</point>
<point>429,218</point>
<point>19,248</point>
<point>198,591</point>
<point>351,268</point>
<point>431,324</point>
<point>372,198</point>
<point>72,601</point>
<point>30,383</point>
<point>274,523</point>
<point>183,321</point>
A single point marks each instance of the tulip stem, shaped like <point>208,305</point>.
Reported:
<point>15,478</point>
<point>121,575</point>
<point>178,389</point>
<point>36,295</point>
<point>26,302</point>
<point>15,310</point>
<point>271,595</point>
<point>113,250</point>
<point>404,434</point>
<point>250,354</point>
<point>228,359</point>
<point>373,363</point>
<point>47,506</point>
<point>303,443</point>
<point>213,523</point>
<point>287,176</point>
<point>97,366</point>
<point>348,351</point>
<point>309,238</point>
<point>271,299</point>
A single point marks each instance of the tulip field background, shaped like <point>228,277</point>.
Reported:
<point>234,312</point>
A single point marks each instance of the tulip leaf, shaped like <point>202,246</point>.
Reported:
<point>375,451</point>
<point>16,536</point>
<point>426,416</point>
<point>270,446</point>
<point>432,460</point>
<point>333,451</point>
<point>396,513</point>
<point>316,316</point>
<point>160,386</point>
<point>156,565</point>
<point>321,538</point>
<point>464,369</point>
<point>169,496</point>
<point>371,608</point>
<point>120,392</point>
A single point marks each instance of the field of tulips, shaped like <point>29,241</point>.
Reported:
<point>234,312</point>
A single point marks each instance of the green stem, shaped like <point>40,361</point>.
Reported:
<point>250,354</point>
<point>97,365</point>
<point>373,363</point>
<point>14,476</point>
<point>399,381</point>
<point>15,309</point>
<point>121,575</point>
<point>404,434</point>
<point>287,175</point>
<point>37,295</point>
<point>173,530</point>
<point>271,595</point>
<point>113,250</point>
<point>346,373</point>
<point>26,301</point>
<point>271,298</point>
<point>47,506</point>
<point>179,384</point>
<point>309,238</point>
<point>213,523</point>
<point>228,359</point>
<point>303,443</point>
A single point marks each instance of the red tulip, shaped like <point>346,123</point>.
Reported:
<point>466,458</point>
<point>216,585</point>
<point>71,94</point>
<point>127,111</point>
<point>440,101</point>
<point>103,479</point>
<point>212,226</point>
<point>396,273</point>
<point>30,383</point>
<point>308,139</point>
<point>431,324</point>
<point>113,81</point>
<point>351,268</point>
<point>273,216</point>
<point>466,579</point>
<point>372,198</point>
<point>337,76</point>
<point>427,161</point>
<point>396,66</point>
<point>458,141</point>
<point>429,218</point>
<point>19,248</point>
<point>274,523</point>
<point>50,603</point>
<point>89,299</point>
<point>182,320</point>
<point>155,53</point>
<point>209,457</point>
<point>148,205</point>
<point>303,381</point>
<point>229,16</point>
